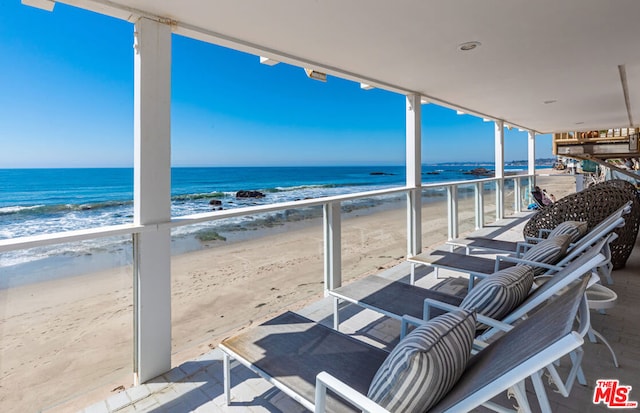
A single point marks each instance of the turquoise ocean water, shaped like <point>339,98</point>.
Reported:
<point>37,201</point>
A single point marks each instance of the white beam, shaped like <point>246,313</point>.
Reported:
<point>152,198</point>
<point>46,5</point>
<point>531,152</point>
<point>414,174</point>
<point>499,148</point>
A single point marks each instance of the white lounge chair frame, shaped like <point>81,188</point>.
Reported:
<point>478,384</point>
<point>578,248</point>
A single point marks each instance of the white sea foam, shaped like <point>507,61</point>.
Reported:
<point>17,208</point>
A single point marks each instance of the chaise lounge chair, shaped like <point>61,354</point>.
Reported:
<point>484,244</point>
<point>396,299</point>
<point>303,359</point>
<point>479,267</point>
<point>400,301</point>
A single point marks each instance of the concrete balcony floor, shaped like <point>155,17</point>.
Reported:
<point>196,385</point>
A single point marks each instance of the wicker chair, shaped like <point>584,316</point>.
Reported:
<point>593,205</point>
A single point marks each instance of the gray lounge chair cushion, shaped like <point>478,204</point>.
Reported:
<point>426,364</point>
<point>549,251</point>
<point>501,292</point>
<point>575,230</point>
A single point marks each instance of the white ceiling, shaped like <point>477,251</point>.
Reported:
<point>567,51</point>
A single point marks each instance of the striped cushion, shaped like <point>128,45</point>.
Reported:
<point>425,364</point>
<point>549,251</point>
<point>575,230</point>
<point>498,294</point>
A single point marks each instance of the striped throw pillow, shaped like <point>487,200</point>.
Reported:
<point>575,230</point>
<point>426,364</point>
<point>549,251</point>
<point>498,294</point>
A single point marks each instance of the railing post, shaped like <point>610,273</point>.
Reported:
<point>499,199</point>
<point>479,198</point>
<point>452,211</point>
<point>517,195</point>
<point>332,246</point>
<point>414,222</point>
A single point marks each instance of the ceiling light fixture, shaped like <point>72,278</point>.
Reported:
<point>459,112</point>
<point>314,74</point>
<point>365,86</point>
<point>468,46</point>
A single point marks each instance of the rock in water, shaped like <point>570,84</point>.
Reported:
<point>249,194</point>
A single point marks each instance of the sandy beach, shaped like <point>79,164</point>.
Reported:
<point>72,338</point>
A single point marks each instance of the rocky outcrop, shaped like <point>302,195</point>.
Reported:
<point>479,172</point>
<point>249,194</point>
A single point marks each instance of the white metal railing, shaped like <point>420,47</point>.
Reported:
<point>331,220</point>
<point>13,244</point>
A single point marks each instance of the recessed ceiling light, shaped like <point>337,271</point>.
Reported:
<point>546,102</point>
<point>467,46</point>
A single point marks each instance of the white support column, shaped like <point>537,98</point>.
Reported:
<point>152,198</point>
<point>452,211</point>
<point>531,159</point>
<point>531,153</point>
<point>499,160</point>
<point>414,174</point>
<point>332,246</point>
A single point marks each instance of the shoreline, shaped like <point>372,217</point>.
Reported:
<point>71,264</point>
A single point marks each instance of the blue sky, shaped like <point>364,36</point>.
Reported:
<point>67,101</point>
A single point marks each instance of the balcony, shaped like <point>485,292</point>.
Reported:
<point>608,143</point>
<point>152,299</point>
<point>196,385</point>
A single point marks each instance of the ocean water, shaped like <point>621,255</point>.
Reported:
<point>38,201</point>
